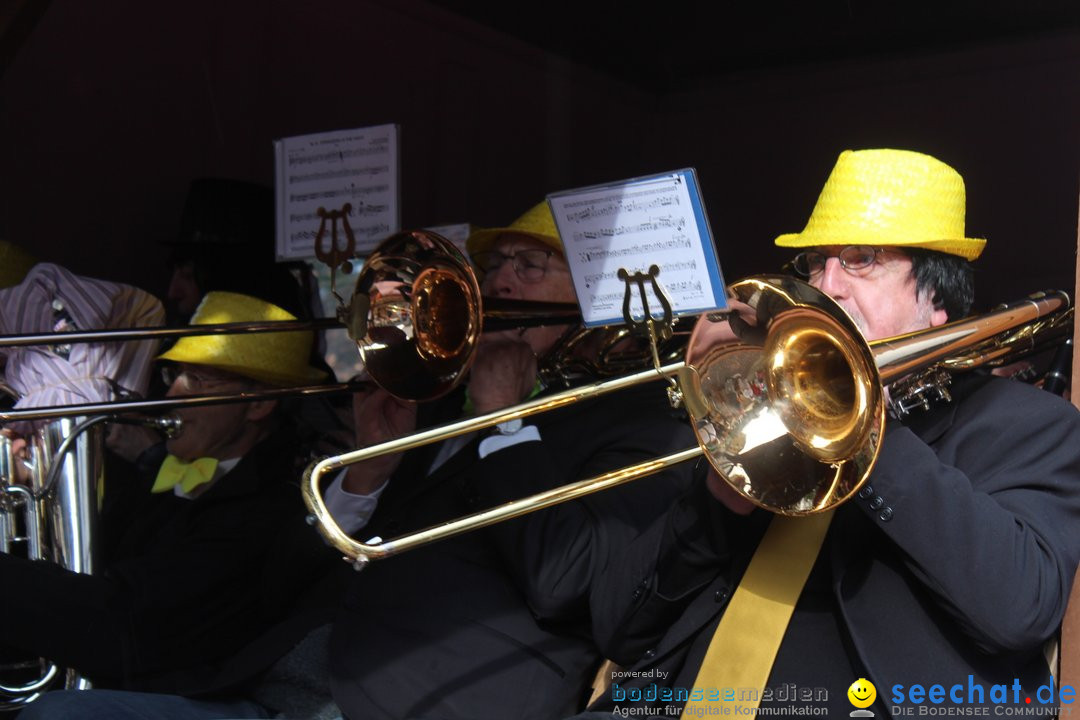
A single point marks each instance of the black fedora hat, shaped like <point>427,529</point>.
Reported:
<point>220,211</point>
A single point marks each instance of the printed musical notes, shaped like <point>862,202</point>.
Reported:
<point>657,220</point>
<point>328,170</point>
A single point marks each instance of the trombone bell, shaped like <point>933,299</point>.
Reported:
<point>790,411</point>
<point>416,315</point>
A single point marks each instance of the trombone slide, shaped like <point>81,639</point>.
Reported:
<point>363,553</point>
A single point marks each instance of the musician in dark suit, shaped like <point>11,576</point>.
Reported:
<point>493,623</point>
<point>951,567</point>
<point>205,543</point>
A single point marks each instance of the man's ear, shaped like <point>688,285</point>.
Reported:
<point>260,410</point>
<point>938,315</point>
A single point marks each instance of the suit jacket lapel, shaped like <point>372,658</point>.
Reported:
<point>419,498</point>
<point>419,481</point>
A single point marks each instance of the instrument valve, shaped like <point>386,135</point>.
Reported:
<point>920,392</point>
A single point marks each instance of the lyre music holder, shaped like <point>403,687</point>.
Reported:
<point>657,328</point>
<point>336,257</point>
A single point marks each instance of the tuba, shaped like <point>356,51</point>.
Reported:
<point>52,518</point>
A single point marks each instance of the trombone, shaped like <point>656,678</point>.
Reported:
<point>789,410</point>
<point>161,333</point>
<point>116,408</point>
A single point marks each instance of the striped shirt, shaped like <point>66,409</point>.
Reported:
<point>53,299</point>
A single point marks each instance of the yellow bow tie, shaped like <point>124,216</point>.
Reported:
<point>188,475</point>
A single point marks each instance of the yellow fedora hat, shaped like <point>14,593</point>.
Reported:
<point>537,223</point>
<point>15,263</point>
<point>893,198</point>
<point>279,358</point>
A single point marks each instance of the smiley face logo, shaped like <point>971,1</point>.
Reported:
<point>862,693</point>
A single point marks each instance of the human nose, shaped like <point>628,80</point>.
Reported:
<point>502,281</point>
<point>180,387</point>
<point>833,279</point>
<point>174,389</point>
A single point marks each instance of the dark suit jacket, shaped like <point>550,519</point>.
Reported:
<point>955,560</point>
<point>186,582</point>
<point>496,623</point>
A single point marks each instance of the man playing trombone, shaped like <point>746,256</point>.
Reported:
<point>940,581</point>
<point>493,623</point>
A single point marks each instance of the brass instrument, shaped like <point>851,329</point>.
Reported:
<point>115,409</point>
<point>59,518</point>
<point>416,315</point>
<point>162,333</point>
<point>789,409</point>
<point>54,518</point>
<point>790,413</point>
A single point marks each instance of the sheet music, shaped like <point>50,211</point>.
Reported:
<point>327,170</point>
<point>658,220</point>
<point>457,233</point>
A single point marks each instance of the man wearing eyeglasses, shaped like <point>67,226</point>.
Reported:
<point>939,583</point>
<point>874,285</point>
<point>492,624</point>
<point>205,544</point>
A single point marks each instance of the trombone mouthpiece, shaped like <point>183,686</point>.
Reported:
<point>171,425</point>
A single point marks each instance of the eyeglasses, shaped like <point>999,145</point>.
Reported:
<point>853,258</point>
<point>194,380</point>
<point>530,265</point>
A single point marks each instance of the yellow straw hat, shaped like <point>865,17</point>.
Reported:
<point>15,263</point>
<point>537,223</point>
<point>890,197</point>
<point>275,358</point>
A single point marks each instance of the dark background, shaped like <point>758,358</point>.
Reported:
<point>109,108</point>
